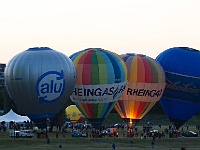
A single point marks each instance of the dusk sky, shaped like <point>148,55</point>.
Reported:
<point>129,26</point>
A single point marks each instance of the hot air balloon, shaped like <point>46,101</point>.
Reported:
<point>40,80</point>
<point>181,99</point>
<point>146,83</point>
<point>73,114</point>
<point>101,79</point>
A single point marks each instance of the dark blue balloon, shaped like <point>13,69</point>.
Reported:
<point>181,98</point>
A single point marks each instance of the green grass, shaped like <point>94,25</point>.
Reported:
<point>69,143</point>
<point>122,143</point>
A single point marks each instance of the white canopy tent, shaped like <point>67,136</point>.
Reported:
<point>12,116</point>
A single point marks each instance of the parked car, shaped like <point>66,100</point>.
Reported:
<point>22,134</point>
<point>67,124</point>
<point>153,133</point>
<point>79,125</point>
<point>190,134</point>
<point>88,126</point>
<point>103,133</point>
<point>117,125</point>
<point>78,133</point>
<point>112,132</point>
<point>14,134</point>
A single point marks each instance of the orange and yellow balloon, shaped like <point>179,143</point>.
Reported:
<point>146,83</point>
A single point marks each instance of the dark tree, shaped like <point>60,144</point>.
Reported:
<point>60,117</point>
<point>5,101</point>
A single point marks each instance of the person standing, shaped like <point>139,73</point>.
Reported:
<point>56,134</point>
<point>131,143</point>
<point>113,146</point>
<point>152,144</point>
<point>145,135</point>
<point>124,133</point>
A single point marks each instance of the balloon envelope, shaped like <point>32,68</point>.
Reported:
<point>39,80</point>
<point>146,83</point>
<point>181,99</point>
<point>101,79</point>
<point>73,114</point>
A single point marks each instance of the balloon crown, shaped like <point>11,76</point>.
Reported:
<point>39,49</point>
<point>133,54</point>
<point>189,49</point>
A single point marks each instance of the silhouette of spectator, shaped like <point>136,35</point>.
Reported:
<point>182,148</point>
<point>57,134</point>
<point>152,144</point>
<point>131,143</point>
<point>113,146</point>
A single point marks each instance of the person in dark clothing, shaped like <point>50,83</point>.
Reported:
<point>131,143</point>
<point>113,146</point>
<point>56,134</point>
<point>152,144</point>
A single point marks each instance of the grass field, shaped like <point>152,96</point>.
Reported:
<point>122,143</point>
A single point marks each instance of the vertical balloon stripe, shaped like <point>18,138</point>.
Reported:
<point>78,65</point>
<point>161,77</point>
<point>76,56</point>
<point>100,110</point>
<point>127,107</point>
<point>144,109</point>
<point>91,110</point>
<point>87,110</point>
<point>123,72</point>
<point>133,75</point>
<point>140,69</point>
<point>79,69</point>
<point>81,109</point>
<point>117,71</point>
<point>108,109</point>
<point>95,108</point>
<point>103,73</point>
<point>130,106</point>
<point>160,73</point>
<point>122,108</point>
<point>140,107</point>
<point>135,112</point>
<point>154,70</point>
<point>148,70</point>
<point>86,72</point>
<point>94,69</point>
<point>109,67</point>
<point>103,110</point>
<point>148,108</point>
<point>79,59</point>
<point>128,61</point>
<point>119,108</point>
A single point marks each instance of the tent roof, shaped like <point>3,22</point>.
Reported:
<point>12,116</point>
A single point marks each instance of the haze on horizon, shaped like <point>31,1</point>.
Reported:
<point>131,26</point>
